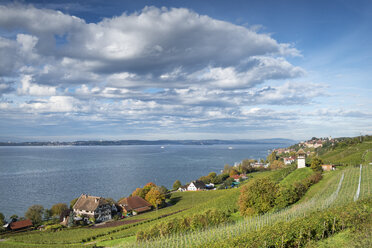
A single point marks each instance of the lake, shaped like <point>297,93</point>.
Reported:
<point>47,175</point>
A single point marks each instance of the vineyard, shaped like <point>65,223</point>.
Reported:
<point>337,189</point>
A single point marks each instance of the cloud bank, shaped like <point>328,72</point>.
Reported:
<point>155,69</point>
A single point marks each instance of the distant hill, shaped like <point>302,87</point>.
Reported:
<point>285,142</point>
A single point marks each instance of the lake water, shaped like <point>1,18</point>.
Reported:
<point>49,175</point>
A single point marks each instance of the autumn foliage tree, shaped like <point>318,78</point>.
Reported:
<point>139,192</point>
<point>155,197</point>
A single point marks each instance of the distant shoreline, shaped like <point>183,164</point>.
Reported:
<point>149,142</point>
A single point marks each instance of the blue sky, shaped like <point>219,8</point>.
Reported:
<point>93,70</point>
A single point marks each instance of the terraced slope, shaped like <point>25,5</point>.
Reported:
<point>338,188</point>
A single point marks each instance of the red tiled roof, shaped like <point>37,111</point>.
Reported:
<point>20,224</point>
<point>135,203</point>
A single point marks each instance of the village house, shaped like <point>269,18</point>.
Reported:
<point>238,177</point>
<point>289,160</point>
<point>314,143</point>
<point>279,150</point>
<point>183,188</point>
<point>92,207</point>
<point>259,165</point>
<point>328,167</point>
<point>196,185</point>
<point>134,205</point>
<point>20,225</point>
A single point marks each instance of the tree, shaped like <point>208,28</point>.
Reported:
<point>147,188</point>
<point>155,197</point>
<point>246,166</point>
<point>139,192</point>
<point>257,196</point>
<point>47,214</point>
<point>14,218</point>
<point>212,175</point>
<point>110,201</point>
<point>2,219</point>
<point>227,168</point>
<point>276,164</point>
<point>233,172</point>
<point>228,182</point>
<point>35,213</point>
<point>58,208</point>
<point>205,179</point>
<point>177,184</point>
<point>72,203</point>
<point>272,157</point>
<point>316,164</point>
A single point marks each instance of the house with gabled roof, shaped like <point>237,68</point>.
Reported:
<point>92,207</point>
<point>183,188</point>
<point>20,225</point>
<point>134,205</point>
<point>196,185</point>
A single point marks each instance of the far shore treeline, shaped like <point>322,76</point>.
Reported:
<point>147,142</point>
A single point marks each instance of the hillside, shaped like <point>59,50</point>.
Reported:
<point>297,176</point>
<point>347,153</point>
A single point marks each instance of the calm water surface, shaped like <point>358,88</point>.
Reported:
<point>48,175</point>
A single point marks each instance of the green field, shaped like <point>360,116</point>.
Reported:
<point>297,176</point>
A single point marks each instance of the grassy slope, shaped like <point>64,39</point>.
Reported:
<point>190,202</point>
<point>320,198</point>
<point>351,155</point>
<point>296,176</point>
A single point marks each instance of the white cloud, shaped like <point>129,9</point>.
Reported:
<point>32,89</point>
<point>153,47</point>
<point>63,104</point>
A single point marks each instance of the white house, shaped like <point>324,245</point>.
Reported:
<point>288,160</point>
<point>92,206</point>
<point>196,185</point>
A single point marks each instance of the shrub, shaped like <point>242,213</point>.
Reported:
<point>257,196</point>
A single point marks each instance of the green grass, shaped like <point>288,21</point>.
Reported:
<point>115,242</point>
<point>342,239</point>
<point>346,238</point>
<point>297,176</point>
<point>350,155</point>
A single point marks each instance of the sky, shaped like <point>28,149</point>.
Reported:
<point>112,70</point>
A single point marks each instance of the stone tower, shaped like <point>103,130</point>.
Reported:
<point>301,155</point>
